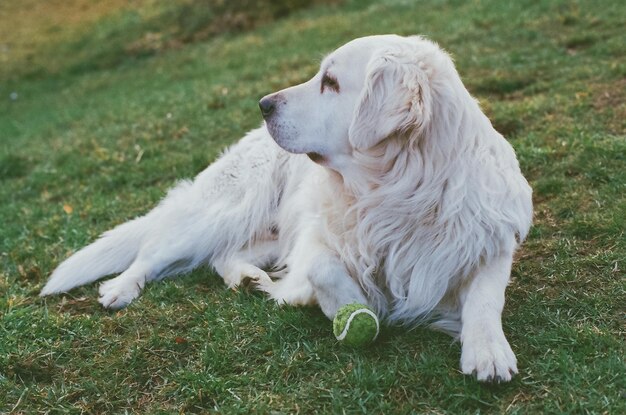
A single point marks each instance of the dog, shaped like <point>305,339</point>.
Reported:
<point>379,181</point>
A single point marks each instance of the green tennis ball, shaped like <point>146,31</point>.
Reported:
<point>355,325</point>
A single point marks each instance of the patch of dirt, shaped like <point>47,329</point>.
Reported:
<point>611,99</point>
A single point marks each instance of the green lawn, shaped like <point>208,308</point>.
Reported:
<point>91,136</point>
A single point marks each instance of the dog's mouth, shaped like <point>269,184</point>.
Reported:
<point>287,144</point>
<point>316,157</point>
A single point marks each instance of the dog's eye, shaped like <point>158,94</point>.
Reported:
<point>329,82</point>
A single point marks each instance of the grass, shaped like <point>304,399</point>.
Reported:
<point>86,146</point>
<point>41,38</point>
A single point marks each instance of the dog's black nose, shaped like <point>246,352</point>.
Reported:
<point>267,106</point>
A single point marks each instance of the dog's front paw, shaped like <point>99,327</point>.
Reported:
<point>490,360</point>
<point>118,292</point>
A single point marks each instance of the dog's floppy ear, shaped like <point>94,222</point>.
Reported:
<point>395,98</point>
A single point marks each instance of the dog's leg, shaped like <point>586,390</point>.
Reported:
<point>332,284</point>
<point>485,351</point>
<point>158,258</point>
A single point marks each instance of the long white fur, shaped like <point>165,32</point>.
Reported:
<point>416,194</point>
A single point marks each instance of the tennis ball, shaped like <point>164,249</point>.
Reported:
<point>355,325</point>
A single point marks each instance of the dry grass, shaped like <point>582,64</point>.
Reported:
<point>31,27</point>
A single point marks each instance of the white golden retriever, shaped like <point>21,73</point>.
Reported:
<point>388,187</point>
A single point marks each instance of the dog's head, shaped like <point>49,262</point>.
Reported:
<point>365,91</point>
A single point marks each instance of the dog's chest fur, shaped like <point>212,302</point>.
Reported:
<point>408,249</point>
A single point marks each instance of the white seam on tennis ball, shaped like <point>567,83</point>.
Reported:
<point>344,333</point>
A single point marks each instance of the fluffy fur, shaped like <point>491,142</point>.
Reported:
<point>414,204</point>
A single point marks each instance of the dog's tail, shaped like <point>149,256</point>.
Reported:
<point>113,252</point>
